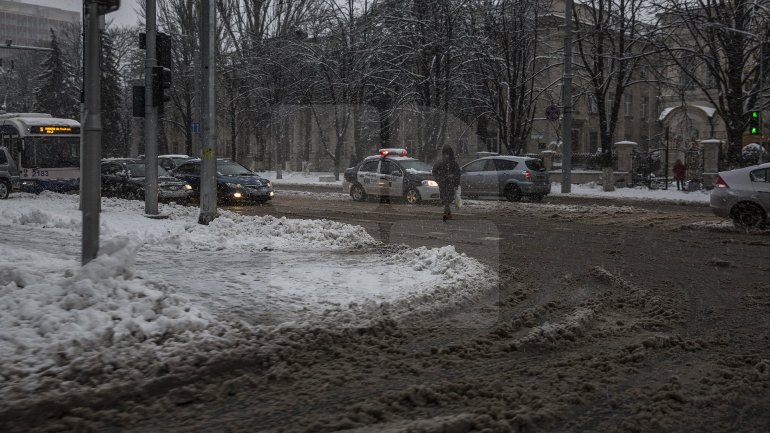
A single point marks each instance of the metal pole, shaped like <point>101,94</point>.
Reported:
<point>665,163</point>
<point>91,147</point>
<point>150,117</point>
<point>196,134</point>
<point>761,90</point>
<point>566,151</point>
<point>208,198</point>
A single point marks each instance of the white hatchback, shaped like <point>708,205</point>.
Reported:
<point>743,195</point>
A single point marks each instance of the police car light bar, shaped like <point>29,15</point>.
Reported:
<point>393,152</point>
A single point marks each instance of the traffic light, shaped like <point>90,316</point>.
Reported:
<point>137,101</point>
<point>755,119</point>
<point>162,48</point>
<point>107,6</point>
<point>161,87</point>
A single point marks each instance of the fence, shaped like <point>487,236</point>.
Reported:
<point>580,161</point>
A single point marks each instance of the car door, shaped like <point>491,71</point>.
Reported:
<point>391,179</point>
<point>761,184</point>
<point>471,177</point>
<point>505,171</point>
<point>367,177</point>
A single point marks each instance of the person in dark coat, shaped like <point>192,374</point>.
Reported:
<point>447,175</point>
<point>679,170</point>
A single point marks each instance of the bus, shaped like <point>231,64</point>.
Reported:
<point>46,150</point>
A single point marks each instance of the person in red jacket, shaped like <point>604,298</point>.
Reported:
<point>679,170</point>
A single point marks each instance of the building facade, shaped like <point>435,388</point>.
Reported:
<point>30,25</point>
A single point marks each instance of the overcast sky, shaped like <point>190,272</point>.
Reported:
<point>126,15</point>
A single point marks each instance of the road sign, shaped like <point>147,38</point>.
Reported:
<point>196,128</point>
<point>552,113</point>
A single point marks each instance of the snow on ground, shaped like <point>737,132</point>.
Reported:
<point>641,193</point>
<point>163,285</point>
<point>301,178</point>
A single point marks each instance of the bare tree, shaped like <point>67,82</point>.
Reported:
<point>716,46</point>
<point>508,76</point>
<point>612,42</point>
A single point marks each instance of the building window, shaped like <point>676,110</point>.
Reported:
<point>644,108</point>
<point>593,141</point>
<point>628,105</point>
<point>593,106</point>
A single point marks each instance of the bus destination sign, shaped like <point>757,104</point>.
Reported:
<point>53,130</point>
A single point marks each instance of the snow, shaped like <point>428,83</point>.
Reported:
<point>165,286</point>
<point>635,193</point>
<point>300,178</point>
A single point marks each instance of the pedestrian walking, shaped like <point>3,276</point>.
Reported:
<point>679,171</point>
<point>447,175</point>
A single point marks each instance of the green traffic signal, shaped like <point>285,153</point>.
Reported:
<point>754,121</point>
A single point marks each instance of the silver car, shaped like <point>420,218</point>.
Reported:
<point>743,195</point>
<point>512,177</point>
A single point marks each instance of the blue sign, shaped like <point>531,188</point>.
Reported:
<point>552,113</point>
<point>196,128</point>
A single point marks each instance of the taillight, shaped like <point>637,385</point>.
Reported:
<point>527,175</point>
<point>720,183</point>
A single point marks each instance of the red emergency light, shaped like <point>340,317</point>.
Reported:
<point>392,152</point>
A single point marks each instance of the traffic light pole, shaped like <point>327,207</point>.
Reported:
<point>150,117</point>
<point>208,198</point>
<point>91,153</point>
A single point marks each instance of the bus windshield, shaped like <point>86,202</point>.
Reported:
<point>51,152</point>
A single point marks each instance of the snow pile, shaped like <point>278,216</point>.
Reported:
<point>592,189</point>
<point>174,289</point>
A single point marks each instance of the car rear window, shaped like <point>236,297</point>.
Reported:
<point>759,175</point>
<point>535,164</point>
<point>505,164</point>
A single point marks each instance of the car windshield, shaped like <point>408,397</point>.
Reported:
<point>415,166</point>
<point>233,169</point>
<point>137,170</point>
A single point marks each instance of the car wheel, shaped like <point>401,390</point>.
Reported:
<point>357,192</point>
<point>5,189</point>
<point>412,196</point>
<point>513,193</point>
<point>748,215</point>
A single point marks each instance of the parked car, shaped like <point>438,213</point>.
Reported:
<point>170,162</point>
<point>9,174</point>
<point>235,183</point>
<point>743,195</point>
<point>391,174</point>
<point>512,177</point>
<point>124,178</point>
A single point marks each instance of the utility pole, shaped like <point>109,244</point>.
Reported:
<point>150,116</point>
<point>566,96</point>
<point>208,198</point>
<point>91,144</point>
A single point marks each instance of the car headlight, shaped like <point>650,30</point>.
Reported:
<point>429,183</point>
<point>234,185</point>
<point>187,186</point>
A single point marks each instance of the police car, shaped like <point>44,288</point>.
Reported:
<point>391,174</point>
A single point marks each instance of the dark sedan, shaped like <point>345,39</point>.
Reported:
<point>124,178</point>
<point>235,183</point>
